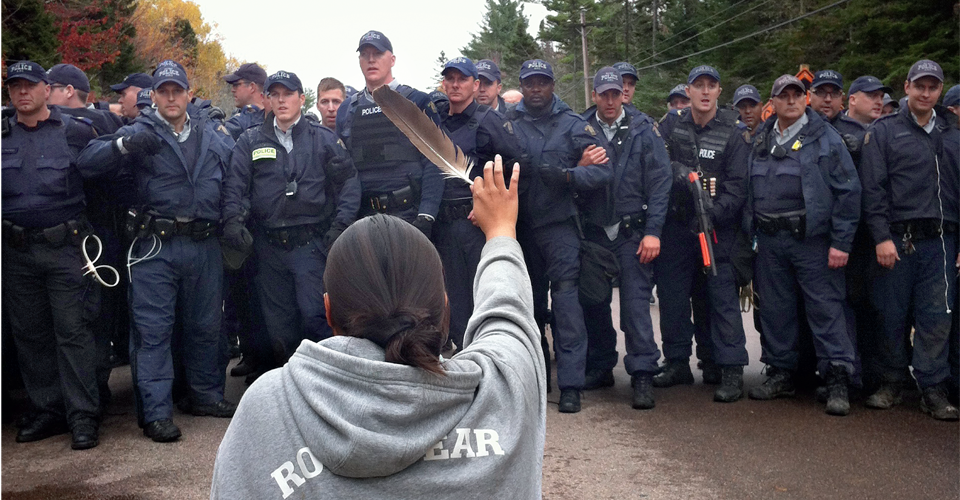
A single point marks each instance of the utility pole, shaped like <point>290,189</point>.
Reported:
<point>653,32</point>
<point>583,42</point>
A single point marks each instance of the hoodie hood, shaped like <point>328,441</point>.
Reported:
<point>365,417</point>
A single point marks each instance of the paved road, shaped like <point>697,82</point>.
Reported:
<point>686,448</point>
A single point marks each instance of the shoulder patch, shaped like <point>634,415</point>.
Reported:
<point>508,126</point>
<point>432,107</point>
<point>590,130</point>
<point>746,136</point>
<point>340,142</point>
<point>866,138</point>
<point>223,129</point>
<point>264,154</point>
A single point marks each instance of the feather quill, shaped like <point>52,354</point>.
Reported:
<point>428,138</point>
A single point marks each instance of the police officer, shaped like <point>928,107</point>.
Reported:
<point>394,177</point>
<point>748,102</point>
<point>330,95</point>
<point>907,182</point>
<point>46,297</point>
<point>866,99</point>
<point>69,88</point>
<point>677,98</point>
<point>490,86</point>
<point>179,157</point>
<point>481,133</point>
<point>890,105</point>
<point>951,149</point>
<point>129,90</point>
<point>246,85</point>
<point>626,217</point>
<point>555,138</point>
<point>714,144</point>
<point>826,98</point>
<point>805,195</point>
<point>630,78</point>
<point>292,179</point>
<point>144,98</point>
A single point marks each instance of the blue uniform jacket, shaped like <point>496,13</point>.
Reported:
<point>260,169</point>
<point>950,173</point>
<point>482,133</point>
<point>42,180</point>
<point>901,165</point>
<point>831,188</point>
<point>167,185</point>
<point>641,175</point>
<point>424,172</point>
<point>248,117</point>
<point>555,140</point>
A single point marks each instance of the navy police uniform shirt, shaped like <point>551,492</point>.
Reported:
<point>171,183</point>
<point>261,169</point>
<point>481,133</point>
<point>246,118</point>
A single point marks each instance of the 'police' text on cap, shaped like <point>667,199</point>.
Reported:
<point>703,70</point>
<point>170,71</point>
<point>746,92</point>
<point>461,64</point>
<point>377,39</point>
<point>536,67</point>
<point>781,84</point>
<point>489,70</point>
<point>626,69</point>
<point>607,78</point>
<point>827,77</point>
<point>285,78</point>
<point>26,70</point>
<point>925,67</point>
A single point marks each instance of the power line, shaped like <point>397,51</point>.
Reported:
<point>701,22</point>
<point>724,44</point>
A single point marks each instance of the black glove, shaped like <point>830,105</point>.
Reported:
<point>340,169</point>
<point>853,144</point>
<point>216,113</point>
<point>145,142</point>
<point>236,234</point>
<point>555,176</point>
<point>424,224</point>
<point>332,234</point>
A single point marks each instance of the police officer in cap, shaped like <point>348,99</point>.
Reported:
<point>144,99</point>
<point>714,144</point>
<point>69,88</point>
<point>826,98</point>
<point>292,179</point>
<point>179,157</point>
<point>677,98</point>
<point>395,178</point>
<point>748,102</point>
<point>890,105</point>
<point>481,133</point>
<point>804,202</point>
<point>555,138</point>
<point>246,85</point>
<point>866,99</point>
<point>129,90</point>
<point>626,217</point>
<point>951,149</point>
<point>490,86</point>
<point>630,78</point>
<point>908,183</point>
<point>46,297</point>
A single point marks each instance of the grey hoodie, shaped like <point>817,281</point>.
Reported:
<point>337,421</point>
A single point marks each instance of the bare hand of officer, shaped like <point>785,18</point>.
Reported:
<point>495,204</point>
<point>887,254</point>
<point>837,259</point>
<point>144,142</point>
<point>593,155</point>
<point>649,249</point>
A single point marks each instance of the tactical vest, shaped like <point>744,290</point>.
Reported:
<point>466,138</point>
<point>776,182</point>
<point>706,149</point>
<point>375,142</point>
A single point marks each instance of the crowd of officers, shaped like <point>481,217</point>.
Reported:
<point>844,221</point>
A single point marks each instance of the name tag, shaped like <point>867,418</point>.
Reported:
<point>264,153</point>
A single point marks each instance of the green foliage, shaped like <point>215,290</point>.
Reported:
<point>503,39</point>
<point>29,32</point>
<point>310,99</point>
<point>438,70</point>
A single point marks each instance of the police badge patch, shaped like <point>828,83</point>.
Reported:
<point>264,154</point>
<point>590,130</point>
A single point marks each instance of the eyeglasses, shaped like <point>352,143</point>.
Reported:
<point>58,86</point>
<point>833,94</point>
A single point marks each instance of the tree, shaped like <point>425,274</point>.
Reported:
<point>29,33</point>
<point>310,98</point>
<point>503,38</point>
<point>438,70</point>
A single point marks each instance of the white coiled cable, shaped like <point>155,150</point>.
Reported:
<point>91,266</point>
<point>153,252</point>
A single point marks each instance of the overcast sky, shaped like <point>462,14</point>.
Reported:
<point>319,39</point>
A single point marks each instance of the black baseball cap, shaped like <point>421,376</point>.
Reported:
<point>680,90</point>
<point>170,71</point>
<point>701,71</point>
<point>377,39</point>
<point>68,74</point>
<point>251,72</point>
<point>463,65</point>
<point>141,80</point>
<point>952,97</point>
<point>536,67</point>
<point>285,78</point>
<point>825,77</point>
<point>143,97</point>
<point>746,92</point>
<point>889,100</point>
<point>608,78</point>
<point>626,69</point>
<point>925,67</point>
<point>868,84</point>
<point>26,70</point>
<point>781,84</point>
<point>488,69</point>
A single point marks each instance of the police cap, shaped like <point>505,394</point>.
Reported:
<point>701,71</point>
<point>536,67</point>
<point>488,69</point>
<point>27,70</point>
<point>170,71</point>
<point>925,67</point>
<point>68,74</point>
<point>952,97</point>
<point>626,69</point>
<point>461,64</point>
<point>781,84</point>
<point>251,72</point>
<point>286,78</point>
<point>377,39</point>
<point>141,80</point>
<point>607,78</point>
<point>827,77</point>
<point>868,84</point>
<point>678,91</point>
<point>746,92</point>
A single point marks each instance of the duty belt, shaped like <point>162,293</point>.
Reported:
<point>72,232</point>
<point>291,237</point>
<point>633,222</point>
<point>395,201</point>
<point>795,223</point>
<point>451,210</point>
<point>921,229</point>
<point>198,230</point>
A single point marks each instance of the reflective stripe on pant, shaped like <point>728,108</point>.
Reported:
<point>188,274</point>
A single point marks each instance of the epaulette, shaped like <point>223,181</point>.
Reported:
<point>82,119</point>
<point>312,119</point>
<point>250,108</point>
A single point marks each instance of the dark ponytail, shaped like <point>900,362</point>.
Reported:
<point>385,283</point>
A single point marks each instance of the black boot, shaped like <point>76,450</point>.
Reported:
<point>838,382</point>
<point>569,401</point>
<point>779,384</point>
<point>643,391</point>
<point>674,373</point>
<point>731,384</point>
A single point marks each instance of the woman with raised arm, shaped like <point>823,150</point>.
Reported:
<point>376,411</point>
